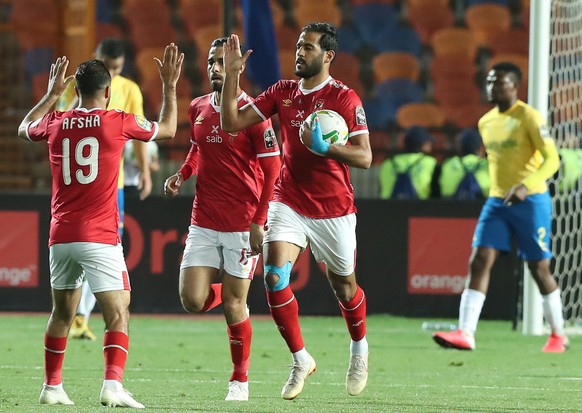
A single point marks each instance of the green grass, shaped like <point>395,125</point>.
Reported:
<point>183,365</point>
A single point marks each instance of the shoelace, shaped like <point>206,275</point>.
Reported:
<point>357,367</point>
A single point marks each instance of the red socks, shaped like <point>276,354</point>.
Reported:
<point>354,312</point>
<point>240,336</point>
<point>54,355</point>
<point>115,348</point>
<point>214,297</point>
<point>285,313</point>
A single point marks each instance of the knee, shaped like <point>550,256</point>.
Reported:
<point>344,288</point>
<point>191,302</point>
<point>234,305</point>
<point>117,319</point>
<point>277,278</point>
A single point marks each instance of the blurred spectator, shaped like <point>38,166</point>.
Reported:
<point>465,176</point>
<point>132,169</point>
<point>409,175</point>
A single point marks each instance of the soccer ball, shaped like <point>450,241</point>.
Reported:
<point>333,126</point>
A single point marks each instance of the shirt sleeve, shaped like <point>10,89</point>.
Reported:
<point>353,112</point>
<point>190,165</point>
<point>139,128</point>
<point>38,129</point>
<point>265,104</point>
<point>542,142</point>
<point>270,166</point>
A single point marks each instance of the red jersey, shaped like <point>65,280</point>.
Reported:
<point>229,180</point>
<point>85,149</point>
<point>314,186</point>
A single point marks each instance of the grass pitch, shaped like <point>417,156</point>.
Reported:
<point>182,364</point>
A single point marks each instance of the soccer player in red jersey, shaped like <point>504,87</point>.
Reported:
<point>236,173</point>
<point>313,200</point>
<point>85,148</point>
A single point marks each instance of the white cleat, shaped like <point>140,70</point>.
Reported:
<point>54,395</point>
<point>299,372</point>
<point>357,376</point>
<point>118,397</point>
<point>238,391</point>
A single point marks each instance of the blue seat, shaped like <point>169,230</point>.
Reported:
<point>348,38</point>
<point>388,97</point>
<point>469,3</point>
<point>370,18</point>
<point>398,38</point>
<point>104,11</point>
<point>38,60</point>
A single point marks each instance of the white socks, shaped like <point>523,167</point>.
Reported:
<point>553,311</point>
<point>301,356</point>
<point>359,348</point>
<point>470,310</point>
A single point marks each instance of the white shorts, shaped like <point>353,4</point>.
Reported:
<point>332,240</point>
<point>229,250</point>
<point>103,265</point>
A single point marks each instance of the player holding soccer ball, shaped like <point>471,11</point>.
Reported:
<point>313,200</point>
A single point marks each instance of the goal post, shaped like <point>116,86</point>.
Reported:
<point>555,89</point>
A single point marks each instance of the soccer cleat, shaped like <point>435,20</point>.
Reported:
<point>118,397</point>
<point>238,391</point>
<point>454,339</point>
<point>556,344</point>
<point>54,395</point>
<point>357,376</point>
<point>80,329</point>
<point>299,372</point>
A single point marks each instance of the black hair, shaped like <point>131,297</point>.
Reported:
<point>111,48</point>
<point>510,68</point>
<point>328,40</point>
<point>92,76</point>
<point>221,41</point>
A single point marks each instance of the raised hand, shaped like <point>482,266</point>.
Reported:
<point>57,82</point>
<point>171,65</point>
<point>233,59</point>
<point>172,185</point>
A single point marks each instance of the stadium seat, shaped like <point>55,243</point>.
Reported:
<point>398,38</point>
<point>142,36</point>
<point>454,41</point>
<point>485,20</point>
<point>369,18</point>
<point>388,97</point>
<point>104,11</point>
<point>456,91</point>
<point>346,68</point>
<point>196,15</point>
<point>453,66</point>
<point>390,65</point>
<point>309,12</point>
<point>38,60</point>
<point>104,30</point>
<point>518,59</point>
<point>43,33</point>
<point>426,17</point>
<point>286,37</point>
<point>514,41</point>
<point>39,85</point>
<point>203,39</point>
<point>146,66</point>
<point>424,114</point>
<point>348,38</point>
<point>155,14</point>
<point>465,116</point>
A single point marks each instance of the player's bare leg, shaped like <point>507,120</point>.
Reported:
<point>234,299</point>
<point>55,342</point>
<point>279,258</point>
<point>197,292</point>
<point>115,308</point>
<point>352,303</point>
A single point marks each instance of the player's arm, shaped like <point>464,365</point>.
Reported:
<point>358,154</point>
<point>169,68</point>
<point>548,168</point>
<point>57,83</point>
<point>270,165</point>
<point>188,168</point>
<point>145,177</point>
<point>231,118</point>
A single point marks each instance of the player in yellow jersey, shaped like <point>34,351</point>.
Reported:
<point>125,96</point>
<point>522,156</point>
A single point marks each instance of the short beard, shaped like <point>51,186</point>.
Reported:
<point>309,70</point>
<point>216,87</point>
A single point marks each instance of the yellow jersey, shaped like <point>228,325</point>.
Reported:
<point>515,140</point>
<point>125,96</point>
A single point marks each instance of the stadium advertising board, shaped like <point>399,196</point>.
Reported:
<point>19,249</point>
<point>438,254</point>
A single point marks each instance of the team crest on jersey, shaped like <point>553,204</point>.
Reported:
<point>143,123</point>
<point>198,120</point>
<point>270,138</point>
<point>286,102</point>
<point>360,116</point>
<point>318,104</point>
<point>544,132</point>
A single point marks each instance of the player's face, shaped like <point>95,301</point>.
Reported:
<point>308,55</point>
<point>215,68</point>
<point>500,87</point>
<point>115,66</point>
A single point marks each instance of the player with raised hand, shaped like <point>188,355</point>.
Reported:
<point>236,173</point>
<point>85,147</point>
<point>313,200</point>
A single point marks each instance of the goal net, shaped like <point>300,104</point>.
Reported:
<point>565,118</point>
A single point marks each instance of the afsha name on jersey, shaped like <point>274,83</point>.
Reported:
<point>91,121</point>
